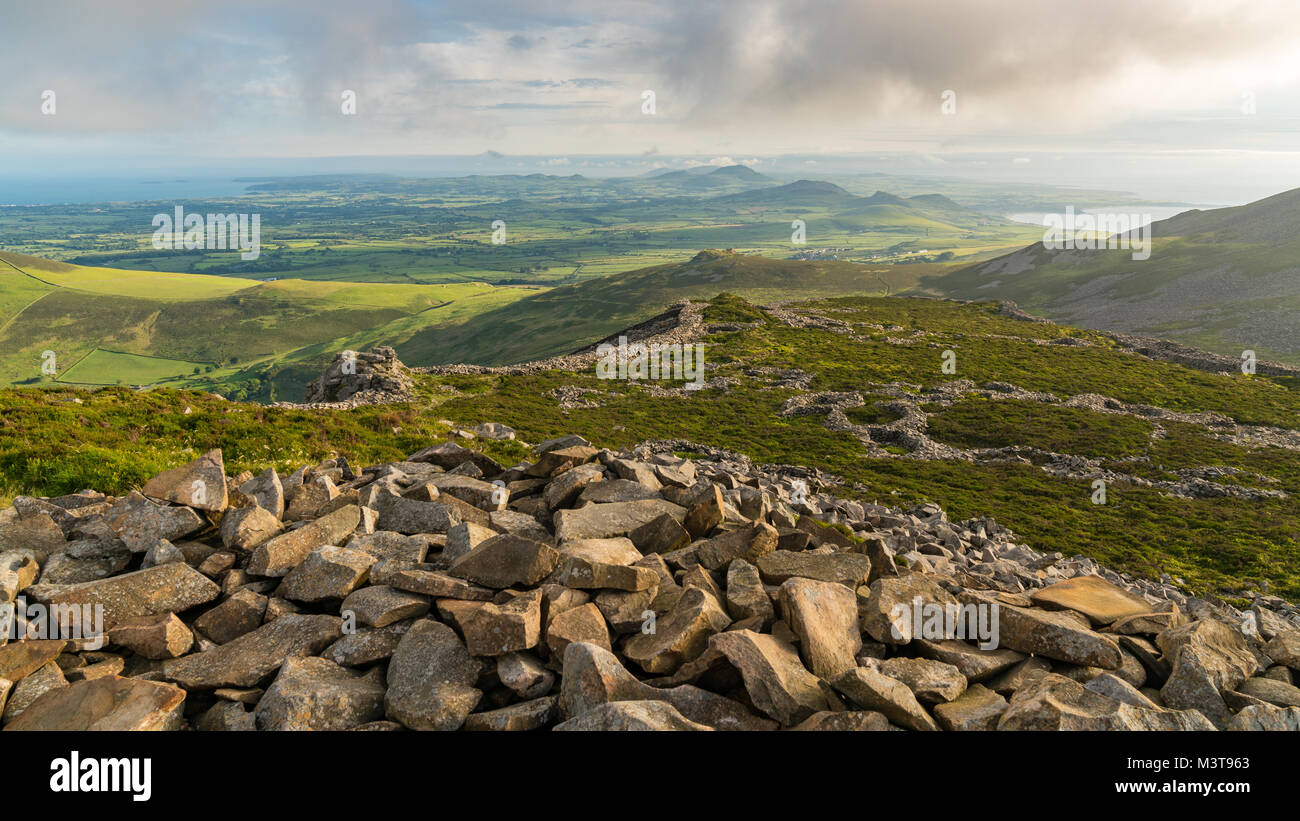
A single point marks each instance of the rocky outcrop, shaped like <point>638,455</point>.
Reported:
<point>367,378</point>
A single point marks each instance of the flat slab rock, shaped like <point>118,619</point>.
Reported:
<point>1094,597</point>
<point>253,657</point>
<point>167,588</point>
<point>109,703</point>
<point>22,658</point>
<point>281,554</point>
<point>605,521</point>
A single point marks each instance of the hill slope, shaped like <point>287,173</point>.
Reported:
<point>1226,279</point>
<point>111,326</point>
<point>565,318</point>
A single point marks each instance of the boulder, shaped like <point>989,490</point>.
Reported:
<point>978,708</point>
<point>932,682</point>
<point>848,569</point>
<point>277,556</point>
<point>1053,702</point>
<point>160,636</point>
<point>380,605</point>
<point>317,694</point>
<point>777,682</point>
<point>505,560</point>
<point>824,615</point>
<point>680,636</point>
<point>493,630</point>
<point>327,573</point>
<point>1208,657</point>
<point>266,492</point>
<point>631,715</point>
<point>198,484</point>
<point>140,523</point>
<point>431,678</point>
<point>606,521</point>
<point>890,697</point>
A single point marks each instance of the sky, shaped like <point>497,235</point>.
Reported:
<point>1191,99</point>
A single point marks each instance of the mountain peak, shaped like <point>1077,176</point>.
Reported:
<point>817,187</point>
<point>933,201</point>
<point>740,172</point>
<point>710,254</point>
<point>884,198</point>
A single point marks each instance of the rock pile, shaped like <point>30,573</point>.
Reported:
<point>594,590</point>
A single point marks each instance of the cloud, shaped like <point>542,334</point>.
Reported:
<point>565,76</point>
<point>1037,68</point>
<point>720,162</point>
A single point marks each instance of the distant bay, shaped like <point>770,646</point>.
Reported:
<point>53,190</point>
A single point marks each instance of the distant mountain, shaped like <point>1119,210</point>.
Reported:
<point>706,179</point>
<point>800,192</point>
<point>740,172</point>
<point>935,201</point>
<point>1226,279</point>
<point>882,198</point>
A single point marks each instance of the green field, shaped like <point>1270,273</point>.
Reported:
<point>559,230</point>
<point>101,367</point>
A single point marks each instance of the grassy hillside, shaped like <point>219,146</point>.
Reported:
<point>563,319</point>
<point>56,441</point>
<point>1225,279</point>
<point>159,285</point>
<point>109,326</point>
<point>264,340</point>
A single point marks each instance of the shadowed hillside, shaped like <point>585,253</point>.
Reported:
<point>1226,279</point>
